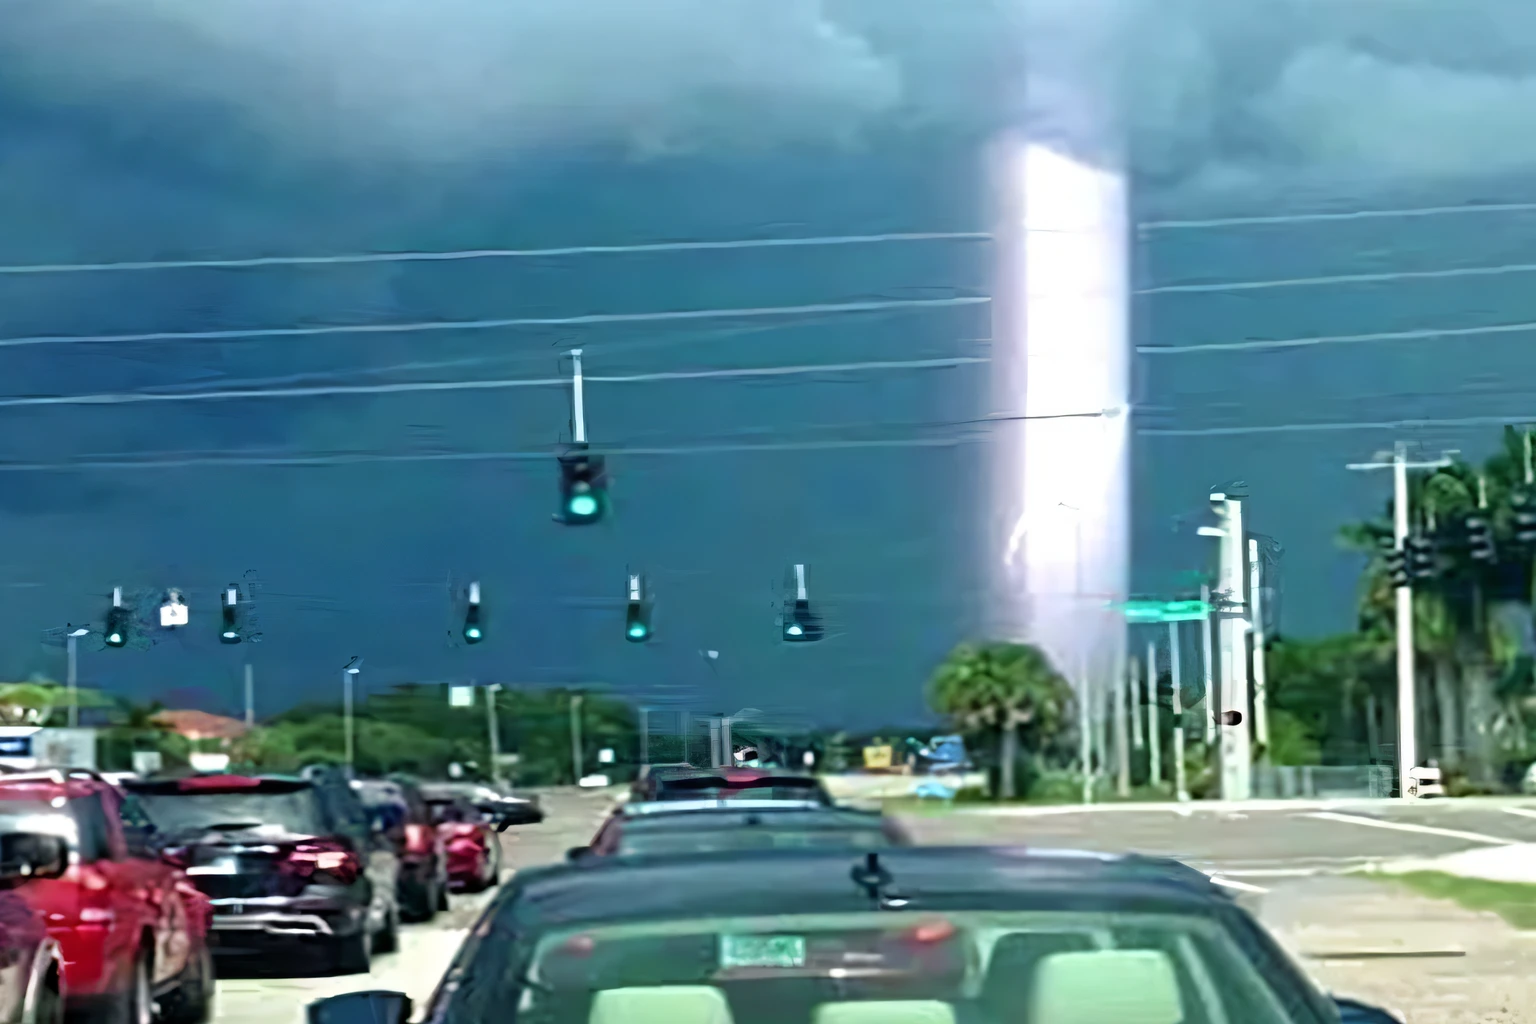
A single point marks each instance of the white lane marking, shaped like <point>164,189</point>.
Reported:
<point>1523,812</point>
<point>1232,883</point>
<point>1285,872</point>
<point>1403,826</point>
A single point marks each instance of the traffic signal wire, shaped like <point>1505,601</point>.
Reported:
<point>1381,277</point>
<point>247,394</point>
<point>1404,213</point>
<point>494,254</point>
<point>582,320</point>
<point>1268,344</point>
<point>976,433</point>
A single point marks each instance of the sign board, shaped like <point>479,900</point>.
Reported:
<point>509,760</point>
<point>1164,611</point>
<point>461,696</point>
<point>605,756</point>
<point>147,762</point>
<point>878,758</point>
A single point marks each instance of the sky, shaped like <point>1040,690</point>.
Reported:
<point>180,129</point>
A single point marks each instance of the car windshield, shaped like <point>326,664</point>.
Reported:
<point>989,967</point>
<point>296,811</point>
<point>654,842</point>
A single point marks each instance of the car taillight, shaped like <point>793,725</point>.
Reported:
<point>929,933</point>
<point>464,831</point>
<point>418,838</point>
<point>312,859</point>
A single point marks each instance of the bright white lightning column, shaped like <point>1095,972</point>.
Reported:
<point>1061,358</point>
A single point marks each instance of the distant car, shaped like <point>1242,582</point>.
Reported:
<point>133,931</point>
<point>684,826</point>
<point>406,818</point>
<point>32,976</point>
<point>288,862</point>
<point>472,846</point>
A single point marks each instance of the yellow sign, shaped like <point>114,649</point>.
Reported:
<point>878,758</point>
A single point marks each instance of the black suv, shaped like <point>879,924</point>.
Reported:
<point>286,861</point>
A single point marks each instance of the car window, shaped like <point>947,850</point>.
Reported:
<point>95,839</point>
<point>295,811</point>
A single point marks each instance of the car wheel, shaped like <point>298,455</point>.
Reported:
<point>442,894</point>
<point>418,902</point>
<point>191,1002</point>
<point>136,1003</point>
<point>388,938</point>
<point>48,1004</point>
<point>353,954</point>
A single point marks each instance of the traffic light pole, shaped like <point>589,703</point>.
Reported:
<point>578,401</point>
<point>1407,704</point>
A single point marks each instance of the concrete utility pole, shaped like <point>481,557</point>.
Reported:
<point>1206,663</point>
<point>1256,607</point>
<point>1154,732</point>
<point>576,759</point>
<point>1180,781</point>
<point>250,696</point>
<point>1122,746</point>
<point>493,730</point>
<point>1407,705</point>
<point>1232,637</point>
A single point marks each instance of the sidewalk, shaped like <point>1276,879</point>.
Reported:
<point>1430,960</point>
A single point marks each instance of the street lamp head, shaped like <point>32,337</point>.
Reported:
<point>354,666</point>
<point>82,631</point>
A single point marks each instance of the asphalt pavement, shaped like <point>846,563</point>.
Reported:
<point>1442,964</point>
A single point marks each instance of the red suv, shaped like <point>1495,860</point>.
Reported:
<point>133,930</point>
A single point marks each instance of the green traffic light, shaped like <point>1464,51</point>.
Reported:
<point>637,631</point>
<point>472,633</point>
<point>583,505</point>
<point>115,638</point>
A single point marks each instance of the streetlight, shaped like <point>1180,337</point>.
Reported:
<point>74,692</point>
<point>348,678</point>
<point>1084,721</point>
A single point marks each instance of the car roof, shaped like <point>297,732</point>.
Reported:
<point>638,808</point>
<point>795,816</point>
<point>758,882</point>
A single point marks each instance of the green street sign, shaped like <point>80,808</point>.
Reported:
<point>1164,611</point>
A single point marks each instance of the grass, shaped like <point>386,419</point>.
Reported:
<point>1515,902</point>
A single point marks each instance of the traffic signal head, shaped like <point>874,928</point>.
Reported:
<point>474,632</point>
<point>801,625</point>
<point>1396,561</point>
<point>583,483</point>
<point>116,633</point>
<point>637,614</point>
<point>229,625</point>
<point>1420,552</point>
<point>1525,518</point>
<point>1479,538</point>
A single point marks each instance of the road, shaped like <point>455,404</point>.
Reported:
<point>1440,964</point>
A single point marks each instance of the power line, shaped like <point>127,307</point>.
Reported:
<point>1351,215</point>
<point>1421,334</point>
<point>1338,426</point>
<point>485,385</point>
<point>525,454</point>
<point>1311,282</point>
<point>493,254</point>
<point>587,319</point>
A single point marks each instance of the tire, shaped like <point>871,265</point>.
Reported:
<point>388,938</point>
<point>48,1006</point>
<point>442,894</point>
<point>191,1002</point>
<point>136,1003</point>
<point>419,902</point>
<point>353,954</point>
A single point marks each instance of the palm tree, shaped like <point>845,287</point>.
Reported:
<point>1004,687</point>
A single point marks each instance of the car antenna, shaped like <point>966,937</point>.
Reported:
<point>872,877</point>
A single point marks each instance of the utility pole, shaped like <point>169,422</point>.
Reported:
<point>1180,780</point>
<point>348,721</point>
<point>74,685</point>
<point>1136,692</point>
<point>1232,632</point>
<point>493,730</point>
<point>683,726</point>
<point>1084,712</point>
<point>1154,733</point>
<point>1407,709</point>
<point>250,696</point>
<point>1206,662</point>
<point>715,760</point>
<point>1256,614</point>
<point>1122,746</point>
<point>576,766</point>
<point>645,736</point>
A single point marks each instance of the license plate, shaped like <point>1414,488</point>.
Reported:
<point>762,951</point>
<point>222,866</point>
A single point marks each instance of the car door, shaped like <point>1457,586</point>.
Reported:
<point>119,902</point>
<point>382,866</point>
<point>164,910</point>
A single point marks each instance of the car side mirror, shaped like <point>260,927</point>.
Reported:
<point>1352,1011</point>
<point>371,1007</point>
<point>28,855</point>
<point>577,853</point>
